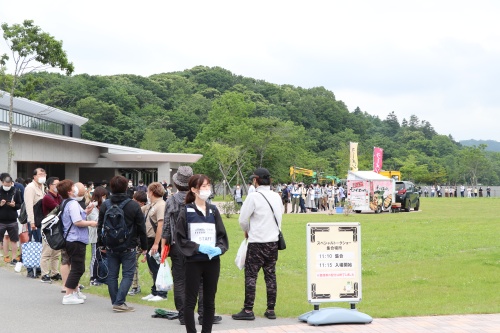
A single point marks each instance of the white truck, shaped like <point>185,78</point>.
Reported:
<point>370,191</point>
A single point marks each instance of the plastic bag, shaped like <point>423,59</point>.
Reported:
<point>241,255</point>
<point>164,280</point>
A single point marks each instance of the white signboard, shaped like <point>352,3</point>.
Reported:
<point>333,262</point>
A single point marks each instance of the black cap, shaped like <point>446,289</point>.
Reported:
<point>262,173</point>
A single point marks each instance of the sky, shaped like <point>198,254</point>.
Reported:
<point>438,60</point>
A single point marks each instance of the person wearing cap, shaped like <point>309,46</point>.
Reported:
<point>263,210</point>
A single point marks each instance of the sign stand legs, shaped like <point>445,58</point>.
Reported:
<point>328,316</point>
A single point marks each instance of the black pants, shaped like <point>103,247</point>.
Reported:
<point>196,271</point>
<point>76,253</point>
<point>179,276</point>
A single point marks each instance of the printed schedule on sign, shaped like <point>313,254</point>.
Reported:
<point>334,262</point>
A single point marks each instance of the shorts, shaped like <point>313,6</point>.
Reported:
<point>64,257</point>
<point>12,230</point>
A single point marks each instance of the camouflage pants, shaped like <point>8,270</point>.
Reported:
<point>261,255</point>
<point>135,281</point>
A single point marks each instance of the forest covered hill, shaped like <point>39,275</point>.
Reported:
<point>240,123</point>
<point>491,145</point>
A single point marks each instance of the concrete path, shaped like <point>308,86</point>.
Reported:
<point>29,306</point>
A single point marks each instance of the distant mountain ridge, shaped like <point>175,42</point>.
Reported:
<point>491,145</point>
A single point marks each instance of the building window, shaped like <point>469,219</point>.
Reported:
<point>31,122</point>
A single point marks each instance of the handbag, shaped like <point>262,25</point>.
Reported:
<point>281,239</point>
<point>102,267</point>
<point>164,280</point>
<point>241,255</point>
<point>32,252</point>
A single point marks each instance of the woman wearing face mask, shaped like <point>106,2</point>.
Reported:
<point>98,197</point>
<point>76,231</point>
<point>201,237</point>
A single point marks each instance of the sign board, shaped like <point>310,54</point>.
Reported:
<point>334,262</point>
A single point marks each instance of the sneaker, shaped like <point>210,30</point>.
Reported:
<point>244,315</point>
<point>157,298</point>
<point>72,299</point>
<point>30,275</point>
<point>56,277</point>
<point>217,319</point>
<point>6,259</point>
<point>269,314</point>
<point>95,283</point>
<point>13,262</point>
<point>81,287</point>
<point>46,279</point>
<point>80,295</point>
<point>145,298</point>
<point>135,291</point>
<point>123,308</point>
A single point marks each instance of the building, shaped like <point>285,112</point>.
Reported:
<point>50,138</point>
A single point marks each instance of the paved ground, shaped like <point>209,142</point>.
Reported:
<point>29,306</point>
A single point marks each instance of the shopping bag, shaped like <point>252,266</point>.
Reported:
<point>102,267</point>
<point>32,252</point>
<point>164,280</point>
<point>241,255</point>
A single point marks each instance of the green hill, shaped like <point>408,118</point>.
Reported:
<point>491,145</point>
<point>240,123</point>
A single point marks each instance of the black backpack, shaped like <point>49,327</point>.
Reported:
<point>284,194</point>
<point>38,214</point>
<point>171,220</point>
<point>115,232</point>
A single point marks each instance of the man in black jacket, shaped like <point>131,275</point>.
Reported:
<point>134,219</point>
<point>10,202</point>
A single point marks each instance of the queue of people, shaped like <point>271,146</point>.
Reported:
<point>186,224</point>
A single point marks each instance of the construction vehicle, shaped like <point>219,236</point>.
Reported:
<point>396,175</point>
<point>313,174</point>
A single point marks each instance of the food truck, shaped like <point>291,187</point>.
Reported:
<point>370,191</point>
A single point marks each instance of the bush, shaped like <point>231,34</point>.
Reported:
<point>228,208</point>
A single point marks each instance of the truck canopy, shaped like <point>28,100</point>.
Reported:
<point>365,175</point>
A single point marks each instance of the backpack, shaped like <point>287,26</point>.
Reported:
<point>115,232</point>
<point>53,228</point>
<point>38,214</point>
<point>284,194</point>
<point>23,215</point>
<point>171,220</point>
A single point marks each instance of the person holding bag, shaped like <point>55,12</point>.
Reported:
<point>260,219</point>
<point>202,238</point>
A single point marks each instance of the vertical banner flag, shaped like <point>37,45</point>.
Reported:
<point>378,156</point>
<point>353,148</point>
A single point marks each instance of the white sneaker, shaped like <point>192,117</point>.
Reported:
<point>80,295</point>
<point>19,266</point>
<point>72,299</point>
<point>157,299</point>
<point>146,298</point>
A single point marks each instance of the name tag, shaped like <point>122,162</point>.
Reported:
<point>202,233</point>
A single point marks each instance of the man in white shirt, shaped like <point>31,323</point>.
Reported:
<point>263,210</point>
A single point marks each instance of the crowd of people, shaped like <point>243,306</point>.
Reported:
<point>155,219</point>
<point>454,191</point>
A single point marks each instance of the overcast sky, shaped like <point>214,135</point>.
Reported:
<point>439,60</point>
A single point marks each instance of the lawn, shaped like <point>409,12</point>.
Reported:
<point>444,259</point>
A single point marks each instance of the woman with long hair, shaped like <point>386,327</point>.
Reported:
<point>201,237</point>
<point>98,197</point>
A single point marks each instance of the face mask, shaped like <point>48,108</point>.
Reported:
<point>6,188</point>
<point>41,180</point>
<point>75,191</point>
<point>55,190</point>
<point>78,198</point>
<point>204,194</point>
<point>129,184</point>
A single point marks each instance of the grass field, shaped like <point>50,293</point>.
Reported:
<point>444,259</point>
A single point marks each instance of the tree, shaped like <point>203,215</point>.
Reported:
<point>32,50</point>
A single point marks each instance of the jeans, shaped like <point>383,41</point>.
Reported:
<point>302,205</point>
<point>128,261</point>
<point>37,237</point>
